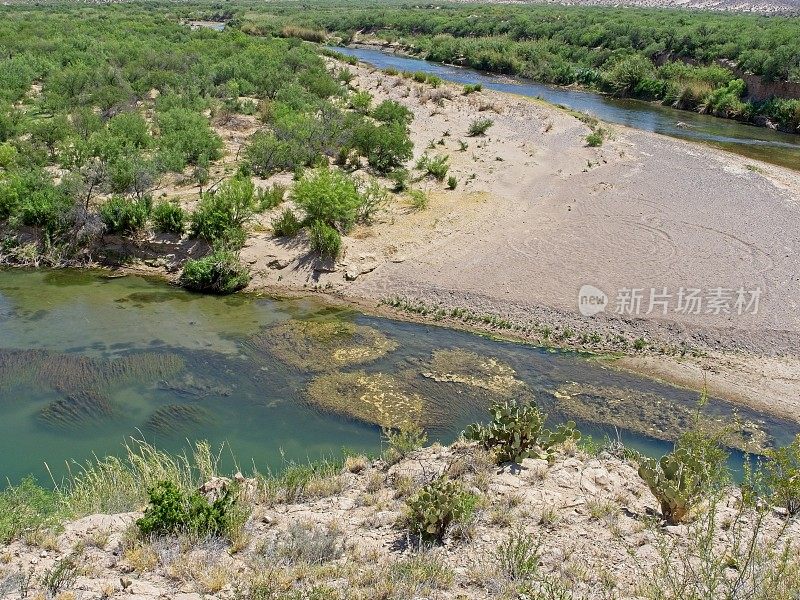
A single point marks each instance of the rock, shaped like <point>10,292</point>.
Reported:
<point>215,488</point>
<point>278,263</point>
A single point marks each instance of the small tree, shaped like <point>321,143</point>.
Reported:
<point>328,196</point>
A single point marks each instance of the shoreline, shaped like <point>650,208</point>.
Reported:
<point>403,51</point>
<point>693,372</point>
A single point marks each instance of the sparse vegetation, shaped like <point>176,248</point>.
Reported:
<point>437,506</point>
<point>518,432</point>
<point>479,127</point>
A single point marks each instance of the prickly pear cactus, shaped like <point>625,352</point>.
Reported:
<point>676,480</point>
<point>518,432</point>
<point>438,505</point>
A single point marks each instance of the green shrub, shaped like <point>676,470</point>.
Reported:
<point>518,557</point>
<point>435,167</point>
<point>218,273</point>
<point>361,102</point>
<point>373,198</point>
<point>169,217</point>
<point>27,508</point>
<point>437,506</point>
<point>386,146</point>
<point>471,88</point>
<point>122,215</point>
<point>186,138</point>
<point>402,441</point>
<point>479,126</point>
<point>170,511</point>
<point>680,479</point>
<point>266,154</point>
<point>286,224</point>
<point>517,432</point>
<point>418,199</point>
<point>325,240</point>
<point>390,111</point>
<point>221,215</point>
<point>596,138</point>
<point>401,179</point>
<point>782,475</point>
<point>271,197</point>
<point>452,182</point>
<point>328,196</point>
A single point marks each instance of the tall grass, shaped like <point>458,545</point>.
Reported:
<point>113,484</point>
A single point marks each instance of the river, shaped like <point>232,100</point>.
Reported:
<point>87,360</point>
<point>759,143</point>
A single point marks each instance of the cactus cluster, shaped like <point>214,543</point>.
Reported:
<point>676,480</point>
<point>517,431</point>
<point>438,505</point>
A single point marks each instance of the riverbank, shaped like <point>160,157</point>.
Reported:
<point>535,215</point>
<point>580,523</point>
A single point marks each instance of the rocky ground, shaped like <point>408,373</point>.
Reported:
<point>587,524</point>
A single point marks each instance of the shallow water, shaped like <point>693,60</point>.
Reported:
<point>758,143</point>
<point>140,345</point>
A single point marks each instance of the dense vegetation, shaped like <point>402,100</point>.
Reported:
<point>101,108</point>
<point>681,58</point>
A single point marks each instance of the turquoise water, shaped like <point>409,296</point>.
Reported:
<point>86,361</point>
<point>758,143</point>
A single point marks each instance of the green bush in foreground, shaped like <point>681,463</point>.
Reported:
<point>595,138</point>
<point>325,240</point>
<point>286,224</point>
<point>436,167</point>
<point>27,508</point>
<point>218,273</point>
<point>518,432</point>
<point>169,217</point>
<point>328,196</point>
<point>121,215</point>
<point>782,476</point>
<point>437,506</point>
<point>171,511</point>
<point>222,215</point>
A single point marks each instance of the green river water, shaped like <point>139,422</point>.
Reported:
<point>87,361</point>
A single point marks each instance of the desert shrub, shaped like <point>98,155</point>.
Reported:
<point>517,432</point>
<point>271,197</point>
<point>171,511</point>
<point>385,146</point>
<point>390,111</point>
<point>46,207</point>
<point>286,224</point>
<point>471,88</point>
<point>169,217</point>
<point>325,240</point>
<point>437,506</point>
<point>218,273</point>
<point>401,442</point>
<point>361,102</point>
<point>186,138</point>
<point>122,215</point>
<point>307,543</point>
<point>401,179</point>
<point>479,126</point>
<point>452,182</point>
<point>221,215</point>
<point>418,199</point>
<point>436,167</point>
<point>373,197</point>
<point>61,575</point>
<point>596,138</point>
<point>518,556</point>
<point>328,196</point>
<point>27,508</point>
<point>782,475</point>
<point>345,75</point>
<point>266,154</point>
<point>680,479</point>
